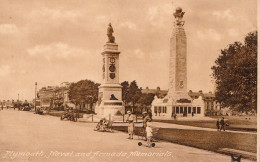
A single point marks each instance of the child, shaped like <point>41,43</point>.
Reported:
<point>149,133</point>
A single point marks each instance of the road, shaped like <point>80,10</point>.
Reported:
<point>25,136</point>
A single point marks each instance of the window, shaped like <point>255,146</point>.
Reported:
<point>155,109</point>
<point>177,110</point>
<point>198,110</point>
<point>189,110</point>
<point>173,110</point>
<point>194,110</point>
<point>181,110</point>
<point>160,109</point>
<point>185,110</point>
<point>165,111</point>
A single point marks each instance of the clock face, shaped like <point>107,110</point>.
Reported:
<point>112,68</point>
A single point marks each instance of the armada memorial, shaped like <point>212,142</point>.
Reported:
<point>110,104</point>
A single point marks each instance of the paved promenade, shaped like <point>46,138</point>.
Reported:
<point>29,137</point>
<point>178,126</point>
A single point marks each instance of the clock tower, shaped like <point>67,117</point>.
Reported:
<point>110,91</point>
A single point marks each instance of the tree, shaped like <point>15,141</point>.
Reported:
<point>125,89</point>
<point>84,92</point>
<point>145,101</point>
<point>134,93</point>
<point>235,75</point>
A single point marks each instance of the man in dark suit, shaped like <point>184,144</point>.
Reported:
<point>217,124</point>
<point>222,123</point>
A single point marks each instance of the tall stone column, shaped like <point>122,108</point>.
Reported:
<point>178,60</point>
<point>178,94</point>
<point>110,91</point>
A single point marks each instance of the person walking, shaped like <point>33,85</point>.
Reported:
<point>149,134</point>
<point>130,120</point>
<point>222,123</point>
<point>146,119</point>
<point>217,124</point>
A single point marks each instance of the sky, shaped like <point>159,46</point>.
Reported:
<point>50,42</point>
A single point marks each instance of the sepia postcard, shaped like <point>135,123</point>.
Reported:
<point>128,80</point>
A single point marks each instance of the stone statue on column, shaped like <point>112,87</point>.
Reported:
<point>178,15</point>
<point>110,31</point>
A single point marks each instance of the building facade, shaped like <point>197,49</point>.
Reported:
<point>54,96</point>
<point>46,96</point>
<point>210,106</point>
<point>158,92</point>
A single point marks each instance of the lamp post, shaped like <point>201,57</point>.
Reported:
<point>35,96</point>
<point>18,104</point>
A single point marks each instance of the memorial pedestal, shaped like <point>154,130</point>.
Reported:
<point>110,104</point>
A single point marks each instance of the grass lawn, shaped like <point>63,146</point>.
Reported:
<point>208,140</point>
<point>235,123</point>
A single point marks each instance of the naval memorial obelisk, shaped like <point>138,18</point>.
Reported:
<point>177,102</point>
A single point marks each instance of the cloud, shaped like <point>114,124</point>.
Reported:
<point>55,14</point>
<point>156,14</point>
<point>209,34</point>
<point>102,19</point>
<point>59,50</point>
<point>139,53</point>
<point>232,32</point>
<point>5,70</point>
<point>129,25</point>
<point>223,14</point>
<point>8,29</point>
<point>152,13</point>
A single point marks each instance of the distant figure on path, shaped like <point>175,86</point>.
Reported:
<point>149,134</point>
<point>130,120</point>
<point>222,122</point>
<point>217,124</point>
<point>175,117</point>
<point>146,119</point>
